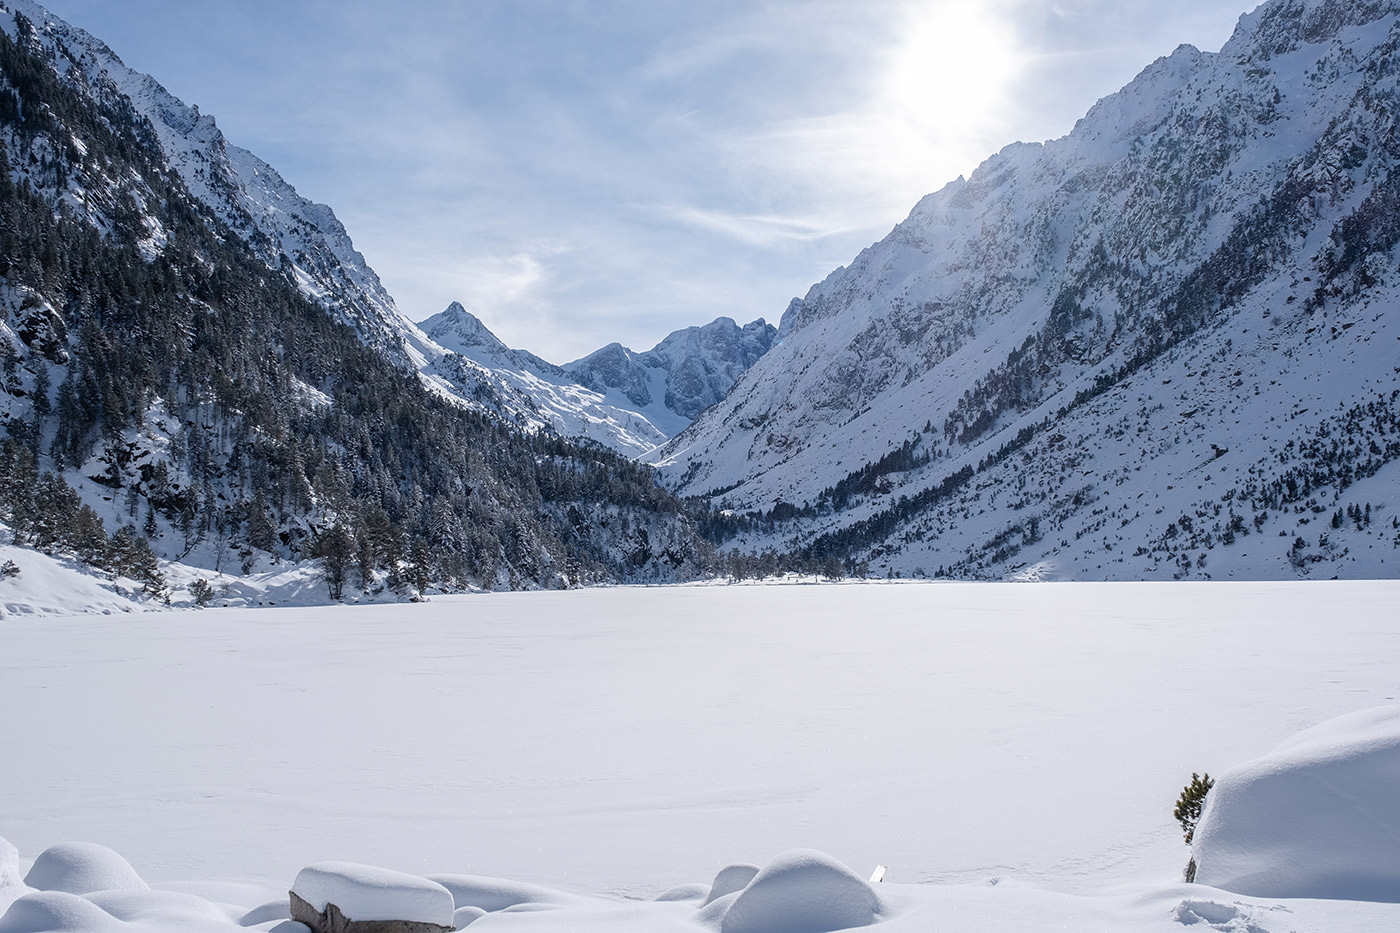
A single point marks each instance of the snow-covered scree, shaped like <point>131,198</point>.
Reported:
<point>1012,753</point>
<point>1319,816</point>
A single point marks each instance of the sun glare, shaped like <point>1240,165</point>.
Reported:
<point>953,69</point>
<point>945,91</point>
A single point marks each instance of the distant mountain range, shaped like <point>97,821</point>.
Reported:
<point>629,401</point>
<point>1164,345</point>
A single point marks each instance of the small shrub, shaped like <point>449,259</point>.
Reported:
<point>1188,805</point>
<point>9,569</point>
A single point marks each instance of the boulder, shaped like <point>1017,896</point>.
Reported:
<point>344,897</point>
<point>1317,817</point>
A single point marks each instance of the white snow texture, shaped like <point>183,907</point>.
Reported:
<point>363,892</point>
<point>1319,816</point>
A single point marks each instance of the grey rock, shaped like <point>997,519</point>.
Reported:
<point>331,920</point>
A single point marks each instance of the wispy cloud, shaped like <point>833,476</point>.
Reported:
<point>585,172</point>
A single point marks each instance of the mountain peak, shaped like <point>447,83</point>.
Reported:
<point>457,329</point>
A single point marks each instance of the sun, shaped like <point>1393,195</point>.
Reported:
<point>946,87</point>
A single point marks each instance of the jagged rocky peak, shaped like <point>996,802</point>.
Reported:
<point>614,367</point>
<point>691,368</point>
<point>460,331</point>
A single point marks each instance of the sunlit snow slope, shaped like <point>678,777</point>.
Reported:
<point>1162,346</point>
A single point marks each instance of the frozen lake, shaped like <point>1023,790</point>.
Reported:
<point>627,740</point>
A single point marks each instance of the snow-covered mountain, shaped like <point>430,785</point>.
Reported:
<point>198,367</point>
<point>306,241</point>
<point>682,375</point>
<point>528,391</point>
<point>629,401</point>
<point>284,229</point>
<point>1163,345</point>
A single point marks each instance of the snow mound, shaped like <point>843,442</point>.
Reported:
<point>363,892</point>
<point>803,891</point>
<point>492,894</point>
<point>695,891</point>
<point>9,865</point>
<point>1319,816</point>
<point>266,912</point>
<point>462,917</point>
<point>170,910</point>
<point>56,912</point>
<point>731,878</point>
<point>82,868</point>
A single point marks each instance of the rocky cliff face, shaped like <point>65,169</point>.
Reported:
<point>1122,339</point>
<point>686,373</point>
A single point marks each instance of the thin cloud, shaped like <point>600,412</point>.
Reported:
<point>765,231</point>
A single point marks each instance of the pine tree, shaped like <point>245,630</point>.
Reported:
<point>336,550</point>
<point>1188,805</point>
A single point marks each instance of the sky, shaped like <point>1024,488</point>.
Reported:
<point>578,172</point>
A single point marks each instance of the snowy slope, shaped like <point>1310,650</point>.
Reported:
<point>286,230</point>
<point>1167,333</point>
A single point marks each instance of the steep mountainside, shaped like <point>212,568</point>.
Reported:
<point>1164,345</point>
<point>682,375</point>
<point>305,241</point>
<point>286,231</point>
<point>174,386</point>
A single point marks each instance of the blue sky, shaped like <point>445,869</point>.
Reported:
<point>583,171</point>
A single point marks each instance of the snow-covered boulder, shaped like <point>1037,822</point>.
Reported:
<point>730,878</point>
<point>331,897</point>
<point>56,912</point>
<point>463,917</point>
<point>492,894</point>
<point>161,910</point>
<point>803,891</point>
<point>82,868</point>
<point>1319,816</point>
<point>9,865</point>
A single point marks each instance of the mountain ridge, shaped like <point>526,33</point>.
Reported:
<point>1010,305</point>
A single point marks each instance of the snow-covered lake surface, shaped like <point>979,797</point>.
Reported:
<point>625,741</point>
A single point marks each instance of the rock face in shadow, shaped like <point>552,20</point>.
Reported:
<point>331,920</point>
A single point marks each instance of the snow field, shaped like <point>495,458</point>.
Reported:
<point>1012,752</point>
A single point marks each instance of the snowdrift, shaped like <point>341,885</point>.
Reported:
<point>1317,817</point>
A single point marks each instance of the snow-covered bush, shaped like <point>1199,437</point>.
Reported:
<point>1319,816</point>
